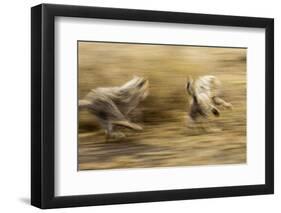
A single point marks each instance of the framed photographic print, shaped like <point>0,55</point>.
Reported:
<point>139,106</point>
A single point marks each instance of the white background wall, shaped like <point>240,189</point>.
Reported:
<point>15,106</point>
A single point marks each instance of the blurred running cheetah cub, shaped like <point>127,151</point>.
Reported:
<point>112,105</point>
<point>204,92</point>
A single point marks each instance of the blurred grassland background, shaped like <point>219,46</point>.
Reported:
<point>166,140</point>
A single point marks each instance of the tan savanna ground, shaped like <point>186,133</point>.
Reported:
<point>166,140</point>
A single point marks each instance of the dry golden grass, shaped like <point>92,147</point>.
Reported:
<point>166,140</point>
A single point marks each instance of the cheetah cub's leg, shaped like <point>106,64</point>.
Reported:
<point>219,101</point>
<point>110,133</point>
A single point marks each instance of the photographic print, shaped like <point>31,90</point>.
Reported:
<point>155,100</point>
<point>159,105</point>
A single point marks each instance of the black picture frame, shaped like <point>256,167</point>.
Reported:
<point>43,102</point>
